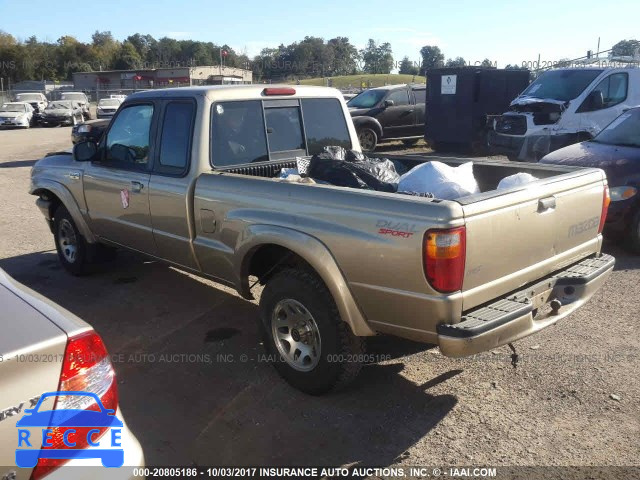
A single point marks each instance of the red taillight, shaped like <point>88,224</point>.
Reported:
<point>444,257</point>
<point>270,91</point>
<point>86,367</point>
<point>606,200</point>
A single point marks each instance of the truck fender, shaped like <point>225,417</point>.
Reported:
<point>370,122</point>
<point>66,198</point>
<point>316,254</point>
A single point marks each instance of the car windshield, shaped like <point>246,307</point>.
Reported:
<point>12,107</point>
<point>73,96</point>
<point>366,99</point>
<point>561,85</point>
<point>29,97</point>
<point>59,104</point>
<point>623,131</point>
<point>109,102</point>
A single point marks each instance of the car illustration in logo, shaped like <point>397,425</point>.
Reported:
<point>90,423</point>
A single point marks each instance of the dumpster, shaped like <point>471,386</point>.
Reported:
<point>462,100</point>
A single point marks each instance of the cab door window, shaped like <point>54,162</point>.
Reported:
<point>399,97</point>
<point>613,90</point>
<point>127,143</point>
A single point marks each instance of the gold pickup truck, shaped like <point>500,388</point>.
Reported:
<point>190,176</point>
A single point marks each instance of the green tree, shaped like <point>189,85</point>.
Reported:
<point>104,49</point>
<point>432,57</point>
<point>408,67</point>
<point>626,48</point>
<point>456,62</point>
<point>377,58</point>
<point>345,56</point>
<point>143,44</point>
<point>128,57</point>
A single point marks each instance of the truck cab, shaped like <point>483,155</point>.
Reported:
<point>562,107</point>
<point>393,112</point>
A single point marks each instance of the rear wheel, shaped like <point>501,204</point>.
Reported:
<point>368,139</point>
<point>307,341</point>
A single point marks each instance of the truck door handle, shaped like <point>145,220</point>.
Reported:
<point>545,204</point>
<point>136,187</point>
<point>74,175</point>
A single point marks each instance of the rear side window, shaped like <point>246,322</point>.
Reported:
<point>421,95</point>
<point>284,129</point>
<point>325,124</point>
<point>238,134</point>
<point>177,126</point>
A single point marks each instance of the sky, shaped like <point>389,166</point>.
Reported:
<point>504,32</point>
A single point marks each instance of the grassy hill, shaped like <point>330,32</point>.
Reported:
<point>370,80</point>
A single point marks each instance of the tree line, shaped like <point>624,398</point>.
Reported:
<point>308,58</point>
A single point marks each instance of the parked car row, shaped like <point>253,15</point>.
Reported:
<point>73,108</point>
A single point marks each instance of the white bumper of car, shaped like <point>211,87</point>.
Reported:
<point>22,121</point>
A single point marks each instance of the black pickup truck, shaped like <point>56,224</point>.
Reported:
<point>393,112</point>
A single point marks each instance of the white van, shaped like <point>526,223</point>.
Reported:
<point>562,107</point>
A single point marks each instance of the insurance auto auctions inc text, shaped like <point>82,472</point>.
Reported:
<point>313,472</point>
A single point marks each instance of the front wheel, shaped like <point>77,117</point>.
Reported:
<point>633,236</point>
<point>311,347</point>
<point>71,246</point>
<point>368,139</point>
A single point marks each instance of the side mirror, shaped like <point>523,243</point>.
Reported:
<point>389,103</point>
<point>85,151</point>
<point>595,100</point>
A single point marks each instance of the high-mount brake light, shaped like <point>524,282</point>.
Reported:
<point>274,91</point>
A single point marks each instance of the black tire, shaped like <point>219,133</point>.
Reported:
<point>410,142</point>
<point>72,248</point>
<point>633,235</point>
<point>368,139</point>
<point>340,351</point>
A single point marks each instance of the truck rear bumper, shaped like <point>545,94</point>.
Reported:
<point>526,311</point>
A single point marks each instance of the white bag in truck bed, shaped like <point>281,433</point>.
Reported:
<point>443,181</point>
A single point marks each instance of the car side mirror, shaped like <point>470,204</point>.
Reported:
<point>389,103</point>
<point>85,151</point>
<point>595,100</point>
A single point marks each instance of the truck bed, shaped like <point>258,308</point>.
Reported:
<point>512,239</point>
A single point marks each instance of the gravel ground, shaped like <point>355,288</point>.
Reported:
<point>190,397</point>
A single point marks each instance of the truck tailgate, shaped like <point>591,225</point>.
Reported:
<point>515,237</point>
